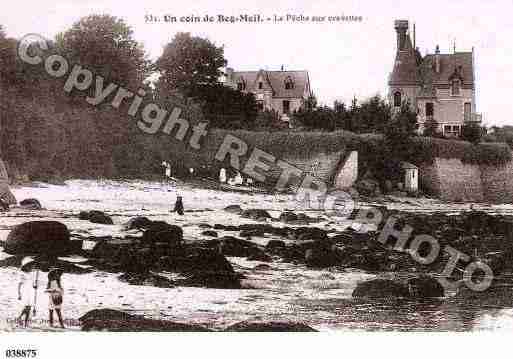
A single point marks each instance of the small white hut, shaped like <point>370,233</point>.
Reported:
<point>411,177</point>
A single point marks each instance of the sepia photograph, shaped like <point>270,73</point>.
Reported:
<point>341,168</point>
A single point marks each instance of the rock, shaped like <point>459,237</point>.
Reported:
<point>425,287</point>
<point>38,237</point>
<point>31,203</point>
<point>117,321</point>
<point>310,234</point>
<point>260,256</point>
<point>274,245</point>
<point>219,227</point>
<point>234,208</point>
<point>138,223</point>
<point>381,288</point>
<point>252,233</point>
<point>83,215</point>
<point>255,214</point>
<point>322,255</point>
<point>147,279</point>
<point>288,217</point>
<point>209,233</point>
<point>236,247</point>
<point>204,226</point>
<point>269,327</point>
<point>208,268</point>
<point>162,232</point>
<point>99,217</point>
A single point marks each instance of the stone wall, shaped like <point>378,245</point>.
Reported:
<point>453,180</point>
<point>498,183</point>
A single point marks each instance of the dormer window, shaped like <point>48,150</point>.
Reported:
<point>289,84</point>
<point>241,85</point>
<point>397,99</point>
<point>455,87</point>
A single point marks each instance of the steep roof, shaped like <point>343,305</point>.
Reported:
<point>406,71</point>
<point>276,79</point>
<point>449,64</point>
<point>410,68</point>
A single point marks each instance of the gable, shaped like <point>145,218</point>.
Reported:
<point>275,80</point>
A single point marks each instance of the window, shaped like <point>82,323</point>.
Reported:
<point>430,109</point>
<point>260,85</point>
<point>456,87</point>
<point>451,131</point>
<point>286,106</point>
<point>467,110</point>
<point>289,84</point>
<point>397,99</point>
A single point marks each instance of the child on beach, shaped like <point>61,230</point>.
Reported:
<point>55,292</point>
<point>27,288</point>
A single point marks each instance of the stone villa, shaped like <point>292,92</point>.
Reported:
<point>440,87</point>
<point>281,91</point>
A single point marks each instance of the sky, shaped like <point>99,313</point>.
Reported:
<point>344,59</point>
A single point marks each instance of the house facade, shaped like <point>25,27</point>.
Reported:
<point>281,91</point>
<point>439,86</point>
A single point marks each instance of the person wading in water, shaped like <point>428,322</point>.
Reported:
<point>178,206</point>
<point>55,292</point>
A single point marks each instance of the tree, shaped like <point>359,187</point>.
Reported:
<point>431,129</point>
<point>402,127</point>
<point>105,45</point>
<point>224,107</point>
<point>320,118</point>
<point>189,62</point>
<point>374,115</point>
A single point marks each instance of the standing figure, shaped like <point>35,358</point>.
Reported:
<point>27,289</point>
<point>222,175</point>
<point>5,193</point>
<point>55,294</point>
<point>178,206</point>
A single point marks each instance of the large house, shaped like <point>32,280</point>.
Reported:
<point>281,91</point>
<point>440,87</point>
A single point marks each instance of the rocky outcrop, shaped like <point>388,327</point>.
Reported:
<point>38,237</point>
<point>117,321</point>
<point>415,288</point>
<point>31,203</point>
<point>95,217</point>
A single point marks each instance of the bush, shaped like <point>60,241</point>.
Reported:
<point>472,132</point>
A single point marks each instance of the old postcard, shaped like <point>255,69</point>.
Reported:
<point>335,167</point>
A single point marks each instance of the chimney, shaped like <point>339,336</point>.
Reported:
<point>437,59</point>
<point>414,37</point>
<point>401,27</point>
<point>229,74</point>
